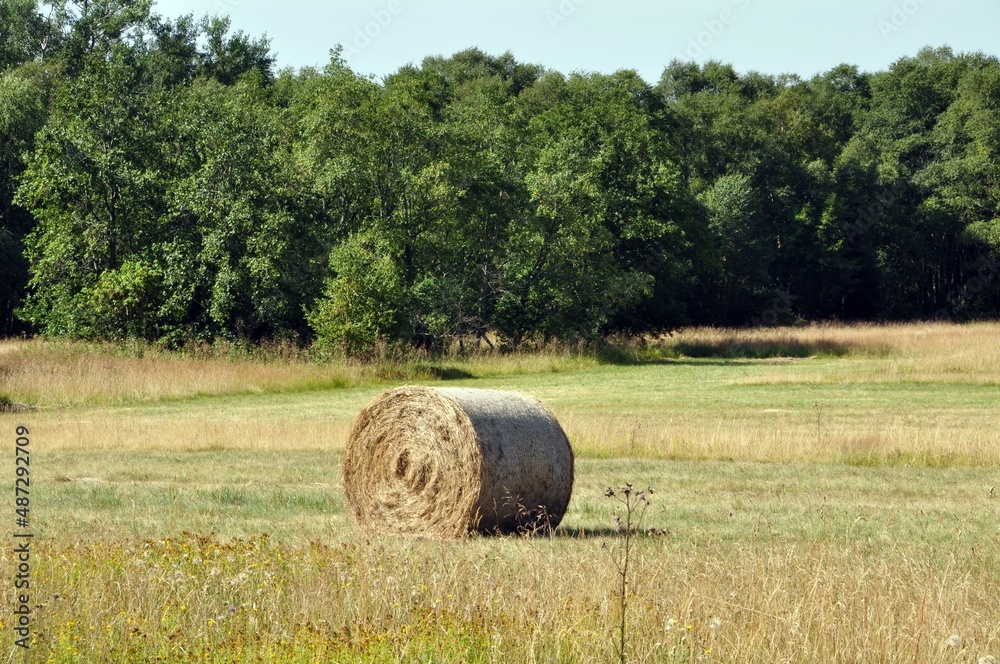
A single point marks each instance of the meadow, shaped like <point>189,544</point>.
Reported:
<point>822,494</point>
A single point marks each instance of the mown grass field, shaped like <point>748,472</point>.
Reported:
<point>827,494</point>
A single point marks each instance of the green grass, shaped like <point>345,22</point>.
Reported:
<point>296,497</point>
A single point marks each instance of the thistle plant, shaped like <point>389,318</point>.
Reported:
<point>631,509</point>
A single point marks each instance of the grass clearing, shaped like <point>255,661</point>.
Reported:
<point>835,506</point>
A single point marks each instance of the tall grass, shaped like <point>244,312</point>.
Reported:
<point>195,598</point>
<point>60,373</point>
<point>66,373</point>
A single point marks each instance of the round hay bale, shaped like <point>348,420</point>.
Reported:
<point>448,462</point>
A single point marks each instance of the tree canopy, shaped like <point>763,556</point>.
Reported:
<point>162,180</point>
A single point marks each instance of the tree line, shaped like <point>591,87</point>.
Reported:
<point>163,180</point>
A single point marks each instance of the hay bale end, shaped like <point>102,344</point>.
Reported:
<point>448,462</point>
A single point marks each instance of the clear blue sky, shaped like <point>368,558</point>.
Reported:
<point>773,36</point>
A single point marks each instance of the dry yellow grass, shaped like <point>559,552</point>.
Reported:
<point>353,600</point>
<point>909,353</point>
<point>60,373</point>
<point>51,374</point>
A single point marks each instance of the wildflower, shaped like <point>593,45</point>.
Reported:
<point>715,623</point>
<point>954,641</point>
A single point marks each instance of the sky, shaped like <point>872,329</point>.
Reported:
<point>804,37</point>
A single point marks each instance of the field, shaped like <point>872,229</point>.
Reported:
<point>825,494</point>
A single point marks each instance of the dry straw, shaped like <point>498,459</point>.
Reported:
<point>448,462</point>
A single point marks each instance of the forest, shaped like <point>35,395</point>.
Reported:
<point>162,179</point>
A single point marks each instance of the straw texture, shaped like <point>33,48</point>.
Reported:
<point>448,462</point>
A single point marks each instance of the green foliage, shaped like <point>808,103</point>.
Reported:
<point>366,300</point>
<point>230,57</point>
<point>21,32</point>
<point>91,30</point>
<point>24,97</point>
<point>121,302</point>
<point>92,185</point>
<point>237,248</point>
<point>158,180</point>
<point>743,254</point>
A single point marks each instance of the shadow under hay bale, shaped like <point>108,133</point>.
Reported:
<point>449,462</point>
